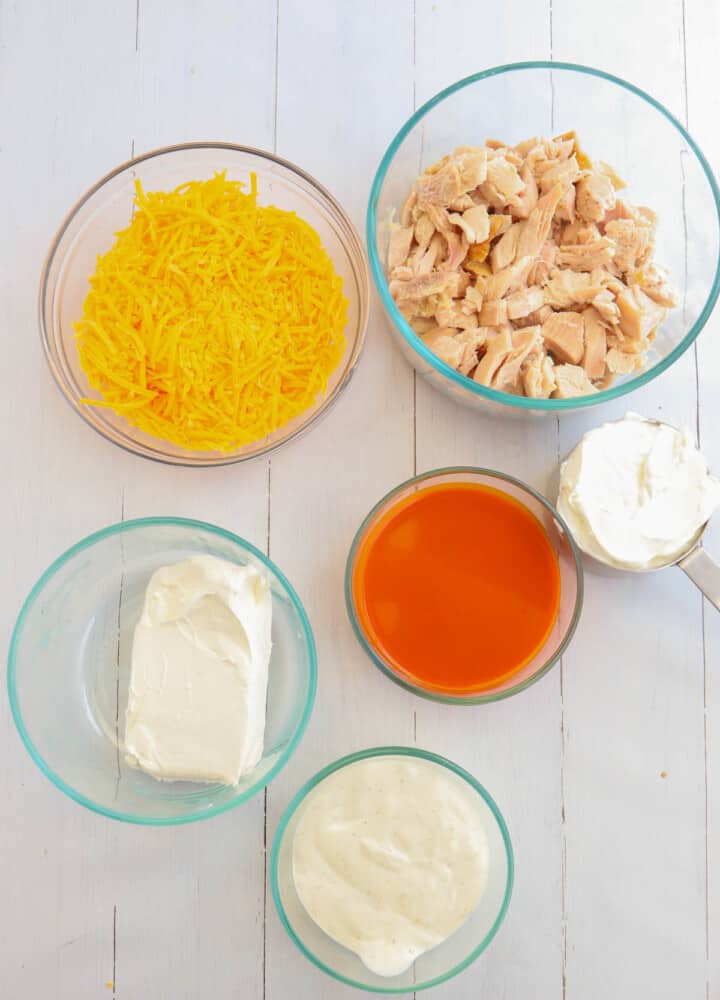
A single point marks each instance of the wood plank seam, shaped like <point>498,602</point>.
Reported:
<point>683,154</point>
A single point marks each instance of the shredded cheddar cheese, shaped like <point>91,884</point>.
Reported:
<point>211,321</point>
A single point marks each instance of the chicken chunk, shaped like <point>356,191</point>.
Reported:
<point>407,212</point>
<point>494,313</point>
<point>579,231</point>
<point>422,261</point>
<point>502,183</point>
<point>399,248</point>
<point>565,212</point>
<point>424,231</point>
<point>442,342</point>
<point>595,195</point>
<point>472,342</point>
<point>423,286</point>
<point>510,279</point>
<point>586,256</point>
<point>472,161</point>
<point>441,187</point>
<point>497,351</point>
<point>473,299</point>
<point>604,168</point>
<point>593,360</point>
<point>452,313</point>
<point>606,306</point>
<point>552,172</point>
<point>524,302</point>
<point>508,377</point>
<point>461,204</point>
<point>565,289</point>
<point>503,253</point>
<point>544,263</point>
<point>564,336</point>
<point>539,377</point>
<point>633,243</point>
<point>536,318</point>
<point>571,382</point>
<point>536,227</point>
<point>475,223</point>
<point>639,317</point>
<point>457,251</point>
<point>654,282</point>
<point>621,362</point>
<point>522,204</point>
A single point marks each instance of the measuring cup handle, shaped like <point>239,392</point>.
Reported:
<point>704,573</point>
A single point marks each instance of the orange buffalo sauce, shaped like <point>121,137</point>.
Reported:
<point>457,587</point>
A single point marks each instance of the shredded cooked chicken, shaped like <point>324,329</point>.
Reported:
<point>521,268</point>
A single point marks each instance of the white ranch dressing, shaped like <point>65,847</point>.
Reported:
<point>390,857</point>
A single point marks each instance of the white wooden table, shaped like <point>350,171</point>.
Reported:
<point>608,770</point>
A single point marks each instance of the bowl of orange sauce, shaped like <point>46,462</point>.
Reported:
<point>464,585</point>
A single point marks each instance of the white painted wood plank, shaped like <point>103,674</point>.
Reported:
<point>200,898</point>
<point>633,676</point>
<point>512,746</point>
<point>702,27</point>
<point>60,128</point>
<point>344,84</point>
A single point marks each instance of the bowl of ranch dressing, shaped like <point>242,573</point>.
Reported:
<point>392,869</point>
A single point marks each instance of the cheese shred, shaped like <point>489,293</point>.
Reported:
<point>212,321</point>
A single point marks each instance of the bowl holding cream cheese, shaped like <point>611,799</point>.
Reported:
<point>392,869</point>
<point>162,671</point>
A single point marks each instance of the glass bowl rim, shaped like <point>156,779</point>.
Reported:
<point>479,699</point>
<point>359,257</point>
<point>388,751</point>
<point>87,543</point>
<point>441,367</point>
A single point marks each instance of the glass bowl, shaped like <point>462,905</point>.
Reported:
<point>571,581</point>
<point>435,966</point>
<point>69,667</point>
<point>107,207</point>
<point>615,122</point>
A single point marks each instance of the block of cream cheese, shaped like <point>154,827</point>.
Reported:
<point>198,683</point>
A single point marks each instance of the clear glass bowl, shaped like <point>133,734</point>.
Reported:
<point>435,966</point>
<point>615,122</point>
<point>107,207</point>
<point>69,667</point>
<point>569,562</point>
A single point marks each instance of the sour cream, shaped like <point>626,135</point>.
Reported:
<point>390,857</point>
<point>635,493</point>
<point>198,683</point>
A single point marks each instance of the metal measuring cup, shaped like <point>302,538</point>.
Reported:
<point>695,561</point>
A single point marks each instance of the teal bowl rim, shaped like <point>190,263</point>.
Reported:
<point>480,699</point>
<point>88,542</point>
<point>428,356</point>
<point>394,751</point>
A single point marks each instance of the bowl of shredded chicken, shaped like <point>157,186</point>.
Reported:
<point>220,319</point>
<point>528,271</point>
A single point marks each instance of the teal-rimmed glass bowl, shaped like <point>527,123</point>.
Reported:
<point>69,667</point>
<point>571,582</point>
<point>435,966</point>
<point>616,122</point>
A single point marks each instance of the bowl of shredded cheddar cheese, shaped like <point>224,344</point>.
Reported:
<point>203,304</point>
